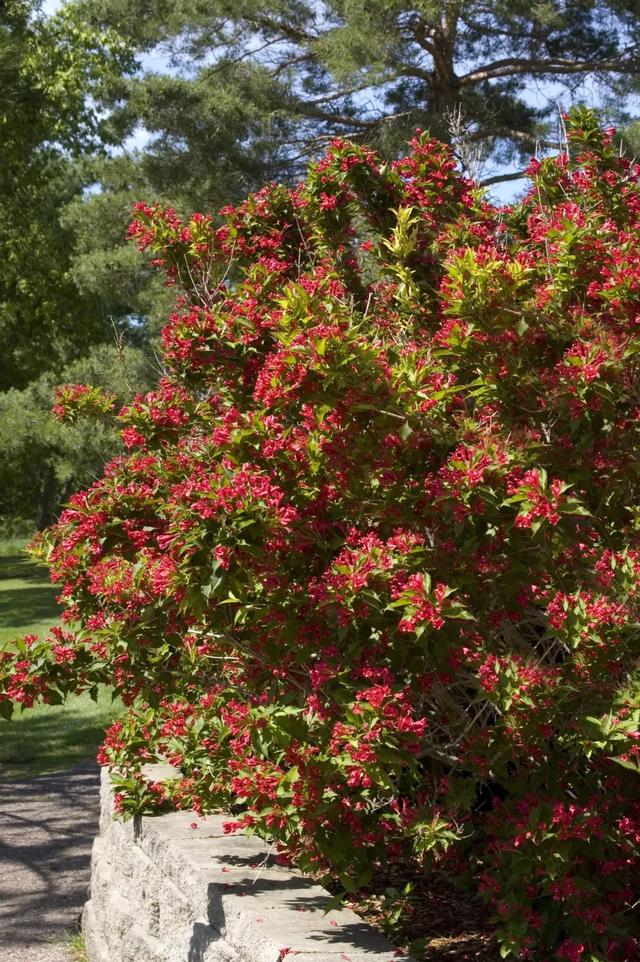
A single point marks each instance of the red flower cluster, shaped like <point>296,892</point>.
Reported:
<point>369,569</point>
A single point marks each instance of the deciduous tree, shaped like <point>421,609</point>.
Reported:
<point>53,71</point>
<point>42,461</point>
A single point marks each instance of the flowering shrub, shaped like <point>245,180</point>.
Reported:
<point>78,400</point>
<point>369,572</point>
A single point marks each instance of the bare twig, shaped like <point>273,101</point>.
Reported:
<point>118,337</point>
<point>470,151</point>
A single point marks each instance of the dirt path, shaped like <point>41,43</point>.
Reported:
<point>47,826</point>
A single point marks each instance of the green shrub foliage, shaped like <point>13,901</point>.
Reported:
<point>368,573</point>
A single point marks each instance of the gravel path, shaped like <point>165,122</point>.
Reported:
<point>47,826</point>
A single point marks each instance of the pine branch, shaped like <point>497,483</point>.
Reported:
<point>502,178</point>
<point>515,66</point>
<point>224,64</point>
<point>307,110</point>
<point>294,34</point>
<point>508,133</point>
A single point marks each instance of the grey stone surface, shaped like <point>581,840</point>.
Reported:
<point>47,825</point>
<point>163,891</point>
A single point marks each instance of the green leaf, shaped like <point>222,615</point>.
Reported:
<point>349,883</point>
<point>6,709</point>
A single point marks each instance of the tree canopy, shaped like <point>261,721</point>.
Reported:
<point>42,461</point>
<point>265,84</point>
<point>53,74</point>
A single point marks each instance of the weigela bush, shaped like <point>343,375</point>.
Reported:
<point>368,574</point>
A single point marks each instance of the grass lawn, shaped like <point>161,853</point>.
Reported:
<point>27,599</point>
<point>45,738</point>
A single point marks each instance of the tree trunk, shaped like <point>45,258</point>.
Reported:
<point>46,504</point>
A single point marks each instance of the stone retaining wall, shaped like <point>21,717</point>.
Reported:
<point>162,891</point>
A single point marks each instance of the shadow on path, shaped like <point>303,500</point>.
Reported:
<point>47,826</point>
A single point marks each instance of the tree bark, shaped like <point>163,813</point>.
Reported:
<point>46,514</point>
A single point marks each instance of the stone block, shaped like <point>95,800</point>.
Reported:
<point>163,891</point>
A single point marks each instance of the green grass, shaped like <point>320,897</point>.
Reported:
<point>77,947</point>
<point>27,598</point>
<point>45,738</point>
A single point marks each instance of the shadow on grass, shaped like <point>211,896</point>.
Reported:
<point>27,600</point>
<point>45,738</point>
<point>49,738</point>
<point>22,605</point>
<point>21,566</point>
